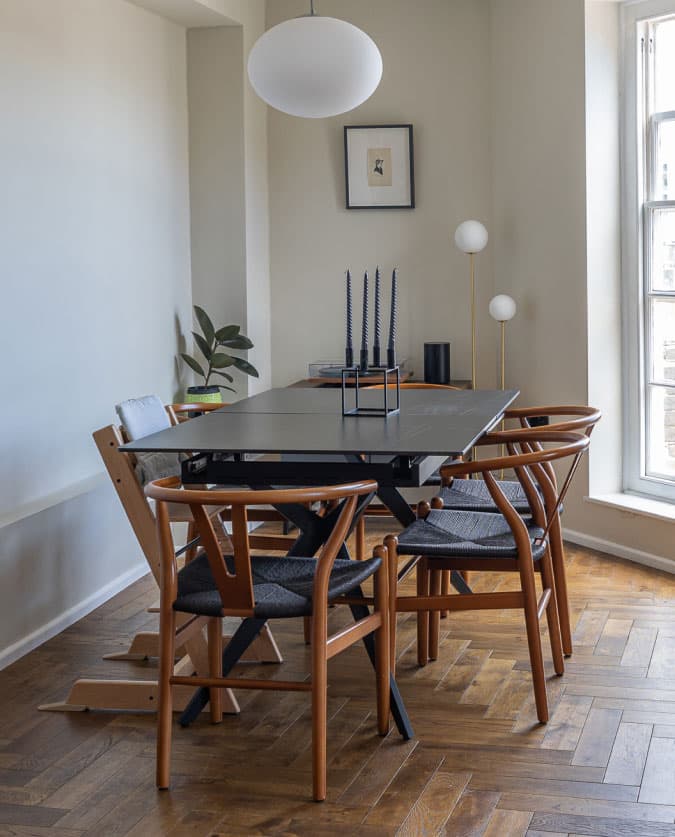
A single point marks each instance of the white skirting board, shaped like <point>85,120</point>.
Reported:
<point>637,556</point>
<point>69,617</point>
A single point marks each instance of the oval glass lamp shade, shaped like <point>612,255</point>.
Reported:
<point>502,308</point>
<point>471,237</point>
<point>314,67</point>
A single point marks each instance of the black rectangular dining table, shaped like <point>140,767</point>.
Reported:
<point>318,445</point>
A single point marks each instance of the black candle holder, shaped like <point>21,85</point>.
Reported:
<point>381,412</point>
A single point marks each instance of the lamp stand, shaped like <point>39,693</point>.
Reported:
<point>502,326</point>
<point>502,378</point>
<point>473,320</point>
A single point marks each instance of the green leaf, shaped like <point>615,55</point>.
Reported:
<point>223,375</point>
<point>227,332</point>
<point>192,363</point>
<point>239,342</point>
<point>220,361</point>
<point>245,366</point>
<point>205,324</point>
<point>222,386</point>
<point>203,345</point>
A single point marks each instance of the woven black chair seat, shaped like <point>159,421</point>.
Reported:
<point>468,534</point>
<point>282,586</point>
<point>473,495</point>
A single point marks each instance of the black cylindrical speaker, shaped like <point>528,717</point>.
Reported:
<point>436,363</point>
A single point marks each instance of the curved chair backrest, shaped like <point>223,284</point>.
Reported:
<point>184,412</point>
<point>528,457</point>
<point>413,385</point>
<point>236,587</point>
<point>580,417</point>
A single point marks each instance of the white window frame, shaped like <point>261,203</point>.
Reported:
<point>635,220</point>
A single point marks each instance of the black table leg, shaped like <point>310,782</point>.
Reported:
<point>398,710</point>
<point>240,641</point>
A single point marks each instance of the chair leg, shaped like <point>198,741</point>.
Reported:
<point>445,589</point>
<point>361,539</point>
<point>534,636</point>
<point>319,699</point>
<point>548,581</point>
<point>422,615</point>
<point>382,663</point>
<point>215,639</point>
<point>167,633</point>
<point>435,586</point>
<point>558,560</point>
<point>391,544</point>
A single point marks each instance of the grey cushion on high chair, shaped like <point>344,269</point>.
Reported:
<point>462,533</point>
<point>282,587</point>
<point>142,417</point>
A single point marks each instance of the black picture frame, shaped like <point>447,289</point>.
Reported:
<point>407,166</point>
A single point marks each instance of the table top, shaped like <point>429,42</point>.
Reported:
<point>310,421</point>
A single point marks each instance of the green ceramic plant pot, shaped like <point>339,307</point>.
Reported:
<point>208,395</point>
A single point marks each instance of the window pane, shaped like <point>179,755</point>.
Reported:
<point>664,65</point>
<point>664,176</point>
<point>662,268</point>
<point>661,432</point>
<point>663,339</point>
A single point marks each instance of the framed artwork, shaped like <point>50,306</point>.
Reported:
<point>379,167</point>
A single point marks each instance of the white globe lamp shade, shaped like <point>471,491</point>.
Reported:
<point>502,308</point>
<point>314,67</point>
<point>471,237</point>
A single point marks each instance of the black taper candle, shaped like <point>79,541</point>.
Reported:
<point>391,349</point>
<point>378,319</point>
<point>364,326</point>
<point>349,348</point>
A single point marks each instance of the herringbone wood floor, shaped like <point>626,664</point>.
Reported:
<point>481,765</point>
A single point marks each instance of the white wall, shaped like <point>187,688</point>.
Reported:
<point>436,75</point>
<point>603,166</point>
<point>95,272</point>
<point>229,184</point>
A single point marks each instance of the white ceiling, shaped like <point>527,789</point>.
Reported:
<point>189,13</point>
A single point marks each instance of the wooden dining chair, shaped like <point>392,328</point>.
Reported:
<point>446,540</point>
<point>474,496</point>
<point>257,588</point>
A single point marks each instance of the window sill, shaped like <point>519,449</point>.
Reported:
<point>658,509</point>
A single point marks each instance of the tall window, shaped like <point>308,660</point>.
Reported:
<point>650,268</point>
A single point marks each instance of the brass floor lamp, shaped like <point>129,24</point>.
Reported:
<point>471,237</point>
<point>502,308</point>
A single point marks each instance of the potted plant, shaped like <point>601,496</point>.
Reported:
<point>210,342</point>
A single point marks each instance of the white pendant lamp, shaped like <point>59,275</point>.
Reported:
<point>314,66</point>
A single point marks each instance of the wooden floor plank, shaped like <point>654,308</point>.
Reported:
<point>658,780</point>
<point>565,726</point>
<point>614,636</point>
<point>663,657</point>
<point>629,754</point>
<point>511,823</point>
<point>639,646</point>
<point>597,738</point>
<point>471,814</point>
<point>435,804</point>
<point>599,827</point>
